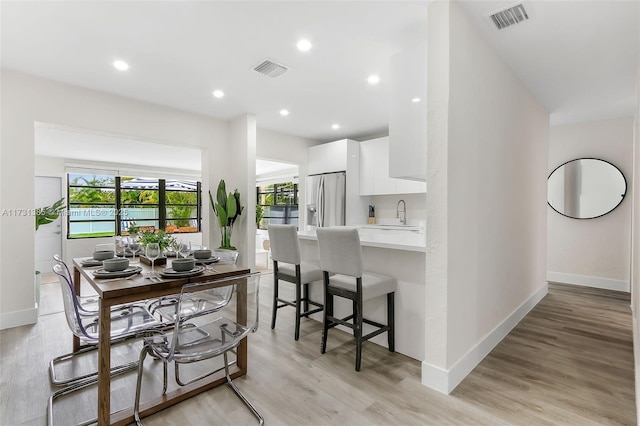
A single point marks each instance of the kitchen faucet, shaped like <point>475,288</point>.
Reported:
<point>403,220</point>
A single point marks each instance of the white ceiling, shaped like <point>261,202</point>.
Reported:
<point>577,57</point>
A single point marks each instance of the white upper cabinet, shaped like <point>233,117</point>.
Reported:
<point>328,157</point>
<point>374,171</point>
<point>408,114</point>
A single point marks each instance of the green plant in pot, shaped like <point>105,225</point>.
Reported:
<point>45,216</point>
<point>259,213</point>
<point>227,208</point>
<point>163,239</point>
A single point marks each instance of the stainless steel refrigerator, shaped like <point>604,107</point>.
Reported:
<point>326,199</point>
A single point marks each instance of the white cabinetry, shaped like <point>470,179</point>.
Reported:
<point>408,114</point>
<point>329,157</point>
<point>374,171</point>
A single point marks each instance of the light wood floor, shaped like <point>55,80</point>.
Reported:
<point>569,362</point>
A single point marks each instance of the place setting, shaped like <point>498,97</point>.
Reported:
<point>182,268</point>
<point>116,268</point>
<point>99,256</point>
<point>204,257</point>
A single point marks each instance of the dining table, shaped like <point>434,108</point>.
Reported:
<point>138,288</point>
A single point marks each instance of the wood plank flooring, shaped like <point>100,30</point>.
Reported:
<point>569,362</point>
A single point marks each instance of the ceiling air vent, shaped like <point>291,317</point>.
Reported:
<point>511,16</point>
<point>270,68</point>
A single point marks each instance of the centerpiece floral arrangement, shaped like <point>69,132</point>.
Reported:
<point>227,208</point>
<point>163,239</point>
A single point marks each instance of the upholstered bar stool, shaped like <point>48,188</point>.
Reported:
<point>285,252</point>
<point>341,254</point>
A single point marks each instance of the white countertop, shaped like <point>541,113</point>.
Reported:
<point>396,239</point>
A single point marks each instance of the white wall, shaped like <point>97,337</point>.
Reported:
<point>272,145</point>
<point>594,252</point>
<point>486,202</point>
<point>386,206</point>
<point>25,100</point>
<point>635,245</point>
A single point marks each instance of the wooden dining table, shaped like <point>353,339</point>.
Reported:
<point>127,290</point>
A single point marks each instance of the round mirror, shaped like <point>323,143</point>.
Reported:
<point>586,188</point>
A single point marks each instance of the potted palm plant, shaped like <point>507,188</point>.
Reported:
<point>45,216</point>
<point>227,208</point>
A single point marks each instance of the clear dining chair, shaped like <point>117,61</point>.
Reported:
<point>87,305</point>
<point>165,307</point>
<point>216,334</point>
<point>126,321</point>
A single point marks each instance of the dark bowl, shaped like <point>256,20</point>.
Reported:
<point>103,254</point>
<point>115,265</point>
<point>202,254</point>
<point>183,265</point>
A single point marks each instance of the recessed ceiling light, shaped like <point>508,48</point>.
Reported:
<point>284,112</point>
<point>304,45</point>
<point>373,79</point>
<point>218,94</point>
<point>335,126</point>
<point>415,100</point>
<point>121,65</point>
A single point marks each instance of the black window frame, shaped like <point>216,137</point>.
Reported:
<point>287,206</point>
<point>118,206</point>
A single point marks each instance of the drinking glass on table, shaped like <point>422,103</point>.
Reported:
<point>184,249</point>
<point>134,246</point>
<point>153,252</point>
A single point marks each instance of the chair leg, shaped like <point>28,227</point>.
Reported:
<point>94,375</point>
<point>275,297</point>
<point>64,391</point>
<point>298,297</point>
<point>240,394</point>
<point>305,296</point>
<point>136,406</point>
<point>391,340</point>
<point>325,313</point>
<point>357,321</point>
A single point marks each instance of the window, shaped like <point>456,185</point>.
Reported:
<point>279,203</point>
<point>104,205</point>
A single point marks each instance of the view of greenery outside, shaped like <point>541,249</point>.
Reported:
<point>95,200</point>
<point>279,202</point>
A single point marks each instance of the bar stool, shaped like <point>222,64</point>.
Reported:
<point>285,252</point>
<point>341,254</point>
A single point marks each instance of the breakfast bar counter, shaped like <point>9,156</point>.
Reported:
<point>400,254</point>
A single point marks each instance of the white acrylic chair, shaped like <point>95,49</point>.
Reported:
<point>341,254</point>
<point>287,266</point>
<point>217,333</point>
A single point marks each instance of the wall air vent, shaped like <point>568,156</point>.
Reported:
<point>270,68</point>
<point>511,16</point>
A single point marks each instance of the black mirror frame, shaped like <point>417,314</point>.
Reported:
<point>626,186</point>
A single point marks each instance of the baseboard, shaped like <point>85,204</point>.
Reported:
<point>445,381</point>
<point>18,318</point>
<point>589,281</point>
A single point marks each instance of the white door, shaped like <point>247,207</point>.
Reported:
<point>48,237</point>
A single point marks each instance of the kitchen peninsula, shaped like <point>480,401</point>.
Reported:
<point>401,254</point>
